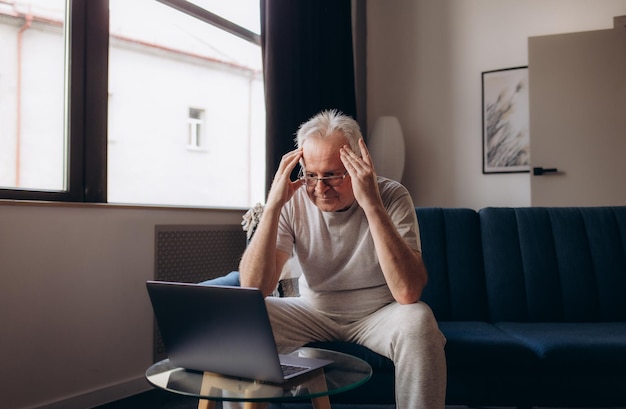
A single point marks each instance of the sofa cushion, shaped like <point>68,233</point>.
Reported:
<point>481,347</point>
<point>573,348</point>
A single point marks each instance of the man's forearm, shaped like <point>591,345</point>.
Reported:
<point>402,266</point>
<point>258,264</point>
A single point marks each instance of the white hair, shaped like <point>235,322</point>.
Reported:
<point>327,123</point>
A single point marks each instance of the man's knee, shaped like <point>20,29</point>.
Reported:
<point>416,322</point>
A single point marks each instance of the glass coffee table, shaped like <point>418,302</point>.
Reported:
<point>345,373</point>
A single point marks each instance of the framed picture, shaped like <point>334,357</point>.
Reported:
<point>506,140</point>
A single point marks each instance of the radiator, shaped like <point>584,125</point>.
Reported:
<point>194,253</point>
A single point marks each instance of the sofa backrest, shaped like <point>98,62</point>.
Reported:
<point>451,248</point>
<point>533,264</point>
<point>555,264</point>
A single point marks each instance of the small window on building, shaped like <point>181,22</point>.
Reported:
<point>196,128</point>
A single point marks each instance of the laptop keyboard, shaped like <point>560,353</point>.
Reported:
<point>291,369</point>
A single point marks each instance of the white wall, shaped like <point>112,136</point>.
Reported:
<point>75,314</point>
<point>424,64</point>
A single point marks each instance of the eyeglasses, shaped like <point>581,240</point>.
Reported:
<point>331,181</point>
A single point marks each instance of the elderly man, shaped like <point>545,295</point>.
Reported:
<point>355,236</point>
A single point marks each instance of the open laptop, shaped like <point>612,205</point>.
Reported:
<point>222,329</point>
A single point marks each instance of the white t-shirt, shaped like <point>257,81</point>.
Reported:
<point>341,276</point>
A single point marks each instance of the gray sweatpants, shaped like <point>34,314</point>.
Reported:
<point>406,334</point>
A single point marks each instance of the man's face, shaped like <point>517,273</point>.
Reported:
<point>321,159</point>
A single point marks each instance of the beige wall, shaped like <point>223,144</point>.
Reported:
<point>76,319</point>
<point>424,64</point>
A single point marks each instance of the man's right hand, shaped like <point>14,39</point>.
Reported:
<point>283,187</point>
<point>258,268</point>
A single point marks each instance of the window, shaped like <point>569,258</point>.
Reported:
<point>195,128</point>
<point>143,78</point>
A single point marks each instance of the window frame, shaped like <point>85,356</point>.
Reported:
<point>86,59</point>
<point>86,97</point>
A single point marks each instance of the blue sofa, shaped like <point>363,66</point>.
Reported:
<point>532,302</point>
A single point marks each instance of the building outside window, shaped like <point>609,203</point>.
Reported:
<point>167,71</point>
<point>32,140</point>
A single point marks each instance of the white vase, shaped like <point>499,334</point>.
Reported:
<point>386,146</point>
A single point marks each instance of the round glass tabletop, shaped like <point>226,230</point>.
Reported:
<point>344,373</point>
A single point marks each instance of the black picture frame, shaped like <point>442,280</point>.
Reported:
<point>505,112</point>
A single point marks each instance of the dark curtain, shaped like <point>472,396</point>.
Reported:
<point>308,67</point>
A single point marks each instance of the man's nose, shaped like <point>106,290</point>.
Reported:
<point>321,186</point>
